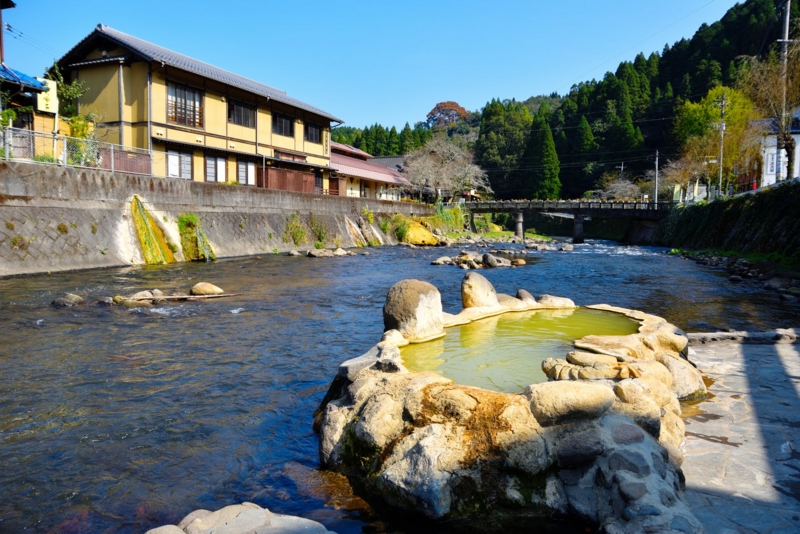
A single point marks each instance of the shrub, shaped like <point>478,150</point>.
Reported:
<point>294,232</point>
<point>10,225</point>
<point>319,230</point>
<point>368,215</point>
<point>319,245</point>
<point>385,225</point>
<point>44,158</point>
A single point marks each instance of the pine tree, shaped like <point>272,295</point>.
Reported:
<point>393,143</point>
<point>584,141</point>
<point>406,141</point>
<point>381,140</point>
<point>539,165</point>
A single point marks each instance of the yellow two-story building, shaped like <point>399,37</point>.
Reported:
<point>200,122</point>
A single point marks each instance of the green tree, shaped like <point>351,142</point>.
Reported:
<point>406,144</point>
<point>393,143</point>
<point>504,132</point>
<point>539,165</point>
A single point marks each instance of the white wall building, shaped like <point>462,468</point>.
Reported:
<point>771,158</point>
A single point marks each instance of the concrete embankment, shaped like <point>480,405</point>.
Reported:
<point>764,223</point>
<point>56,219</point>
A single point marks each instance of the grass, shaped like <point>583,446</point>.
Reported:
<point>499,235</point>
<point>62,228</point>
<point>187,221</point>
<point>10,225</point>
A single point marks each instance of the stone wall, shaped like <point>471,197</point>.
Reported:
<point>55,219</point>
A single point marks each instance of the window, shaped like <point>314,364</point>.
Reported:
<point>313,133</point>
<point>184,105</point>
<point>282,125</point>
<point>179,164</point>
<point>241,114</point>
<point>246,173</point>
<point>215,169</point>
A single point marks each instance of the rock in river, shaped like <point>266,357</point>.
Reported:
<point>204,288</point>
<point>414,308</point>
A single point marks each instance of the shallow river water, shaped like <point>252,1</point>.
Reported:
<point>115,420</point>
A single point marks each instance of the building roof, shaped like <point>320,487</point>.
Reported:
<point>365,169</point>
<point>393,162</point>
<point>8,75</point>
<point>349,150</point>
<point>152,52</point>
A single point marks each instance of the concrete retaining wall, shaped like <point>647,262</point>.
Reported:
<point>55,219</point>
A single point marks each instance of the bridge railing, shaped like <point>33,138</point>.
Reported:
<point>555,205</point>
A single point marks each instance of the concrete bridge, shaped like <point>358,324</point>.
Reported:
<point>577,209</point>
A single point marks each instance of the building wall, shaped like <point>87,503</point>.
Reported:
<point>769,154</point>
<point>94,208</point>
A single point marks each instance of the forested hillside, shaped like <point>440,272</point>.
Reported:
<point>562,146</point>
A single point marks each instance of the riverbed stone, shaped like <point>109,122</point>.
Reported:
<point>414,308</point>
<point>142,296</point>
<point>443,260</point>
<point>61,302</point>
<point>73,298</point>
<point>562,401</point>
<point>518,262</point>
<point>204,288</point>
<point>246,518</point>
<point>525,296</point>
<point>549,301</point>
<point>477,291</point>
<point>340,252</point>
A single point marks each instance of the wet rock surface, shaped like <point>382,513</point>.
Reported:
<point>602,449</point>
<point>243,518</point>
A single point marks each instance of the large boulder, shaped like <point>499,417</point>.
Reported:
<point>419,235</point>
<point>477,291</point>
<point>414,308</point>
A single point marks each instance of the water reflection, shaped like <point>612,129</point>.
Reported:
<point>122,420</point>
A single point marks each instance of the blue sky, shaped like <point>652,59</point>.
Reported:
<point>384,62</point>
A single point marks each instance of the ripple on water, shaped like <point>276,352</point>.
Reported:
<point>112,420</point>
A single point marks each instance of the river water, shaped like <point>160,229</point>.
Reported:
<point>117,420</point>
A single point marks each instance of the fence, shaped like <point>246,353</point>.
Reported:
<point>27,145</point>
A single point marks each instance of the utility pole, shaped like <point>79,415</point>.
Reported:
<point>721,103</point>
<point>783,127</point>
<point>621,169</point>
<point>655,194</point>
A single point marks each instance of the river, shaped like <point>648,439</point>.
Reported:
<point>117,420</point>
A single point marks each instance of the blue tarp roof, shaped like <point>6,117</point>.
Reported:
<point>14,76</point>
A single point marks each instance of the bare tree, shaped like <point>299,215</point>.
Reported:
<point>762,80</point>
<point>621,188</point>
<point>441,164</point>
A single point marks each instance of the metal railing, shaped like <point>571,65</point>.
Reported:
<point>26,145</point>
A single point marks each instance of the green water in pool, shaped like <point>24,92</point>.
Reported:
<point>505,352</point>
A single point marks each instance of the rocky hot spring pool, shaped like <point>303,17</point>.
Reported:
<point>505,352</point>
<point>120,420</point>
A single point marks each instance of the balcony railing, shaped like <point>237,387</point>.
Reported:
<point>26,145</point>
